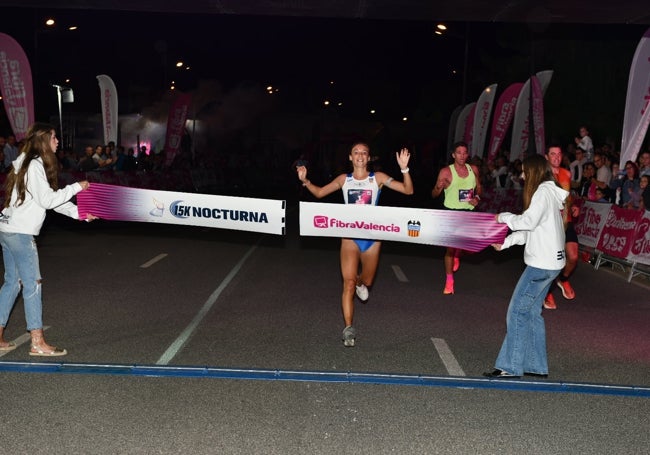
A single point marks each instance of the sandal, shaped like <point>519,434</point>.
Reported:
<point>54,352</point>
<point>9,347</point>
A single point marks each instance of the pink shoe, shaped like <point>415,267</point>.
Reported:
<point>449,288</point>
<point>456,264</point>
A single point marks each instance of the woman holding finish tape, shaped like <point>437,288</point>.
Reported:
<point>359,187</point>
<point>31,189</point>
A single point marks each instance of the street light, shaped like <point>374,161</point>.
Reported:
<point>63,95</point>
<point>443,30</point>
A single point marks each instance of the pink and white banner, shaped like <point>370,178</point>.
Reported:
<point>108,95</point>
<point>538,115</point>
<point>544,79</point>
<point>590,223</point>
<point>411,225</point>
<point>465,117</point>
<point>469,127</point>
<point>482,120</point>
<point>176,126</point>
<point>637,113</point>
<point>504,111</point>
<point>640,248</point>
<point>520,132</point>
<point>452,127</point>
<point>618,231</point>
<point>122,203</point>
<point>16,86</point>
<point>614,231</point>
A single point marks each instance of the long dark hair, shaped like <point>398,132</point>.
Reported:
<point>36,145</point>
<point>536,170</point>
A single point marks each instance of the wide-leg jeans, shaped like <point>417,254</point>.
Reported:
<point>524,347</point>
<point>20,258</point>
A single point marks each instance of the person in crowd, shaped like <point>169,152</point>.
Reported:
<point>359,187</point>
<point>626,185</point>
<point>32,188</point>
<point>603,173</point>
<point>514,173</point>
<point>576,168</point>
<point>563,178</point>
<point>86,162</point>
<point>461,184</point>
<point>601,196</point>
<point>541,229</point>
<point>11,150</point>
<point>130,163</point>
<point>500,173</point>
<point>644,203</point>
<point>587,189</point>
<point>644,163</point>
<point>636,196</point>
<point>585,143</point>
<point>101,158</point>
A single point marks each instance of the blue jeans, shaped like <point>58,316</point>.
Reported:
<point>20,259</point>
<point>524,347</point>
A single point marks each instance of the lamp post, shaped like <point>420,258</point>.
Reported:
<point>63,95</point>
<point>443,30</point>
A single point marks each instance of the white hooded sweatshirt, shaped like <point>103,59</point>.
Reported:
<point>28,217</point>
<point>540,228</point>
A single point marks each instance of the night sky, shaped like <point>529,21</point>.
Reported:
<point>399,68</point>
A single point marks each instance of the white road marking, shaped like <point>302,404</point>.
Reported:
<point>397,270</point>
<point>178,344</point>
<point>22,339</point>
<point>448,359</point>
<point>151,262</point>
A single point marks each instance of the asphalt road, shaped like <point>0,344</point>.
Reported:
<point>194,340</point>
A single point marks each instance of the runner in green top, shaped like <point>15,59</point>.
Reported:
<point>462,186</point>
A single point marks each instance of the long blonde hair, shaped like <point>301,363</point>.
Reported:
<point>36,145</point>
<point>536,170</point>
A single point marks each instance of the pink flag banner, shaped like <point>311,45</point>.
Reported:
<point>618,231</point>
<point>111,202</point>
<point>401,224</point>
<point>463,119</point>
<point>176,126</point>
<point>108,95</point>
<point>640,249</point>
<point>637,113</point>
<point>538,115</point>
<point>16,86</point>
<point>504,111</point>
<point>482,120</point>
<point>520,132</point>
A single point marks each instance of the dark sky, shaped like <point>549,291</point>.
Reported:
<point>400,66</point>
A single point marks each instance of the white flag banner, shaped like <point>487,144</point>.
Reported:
<point>463,120</point>
<point>121,203</point>
<point>108,95</point>
<point>544,79</point>
<point>412,225</point>
<point>520,128</point>
<point>636,117</point>
<point>482,115</point>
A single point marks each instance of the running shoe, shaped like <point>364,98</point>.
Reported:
<point>456,264</point>
<point>362,292</point>
<point>567,290</point>
<point>549,302</point>
<point>349,335</point>
<point>449,287</point>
